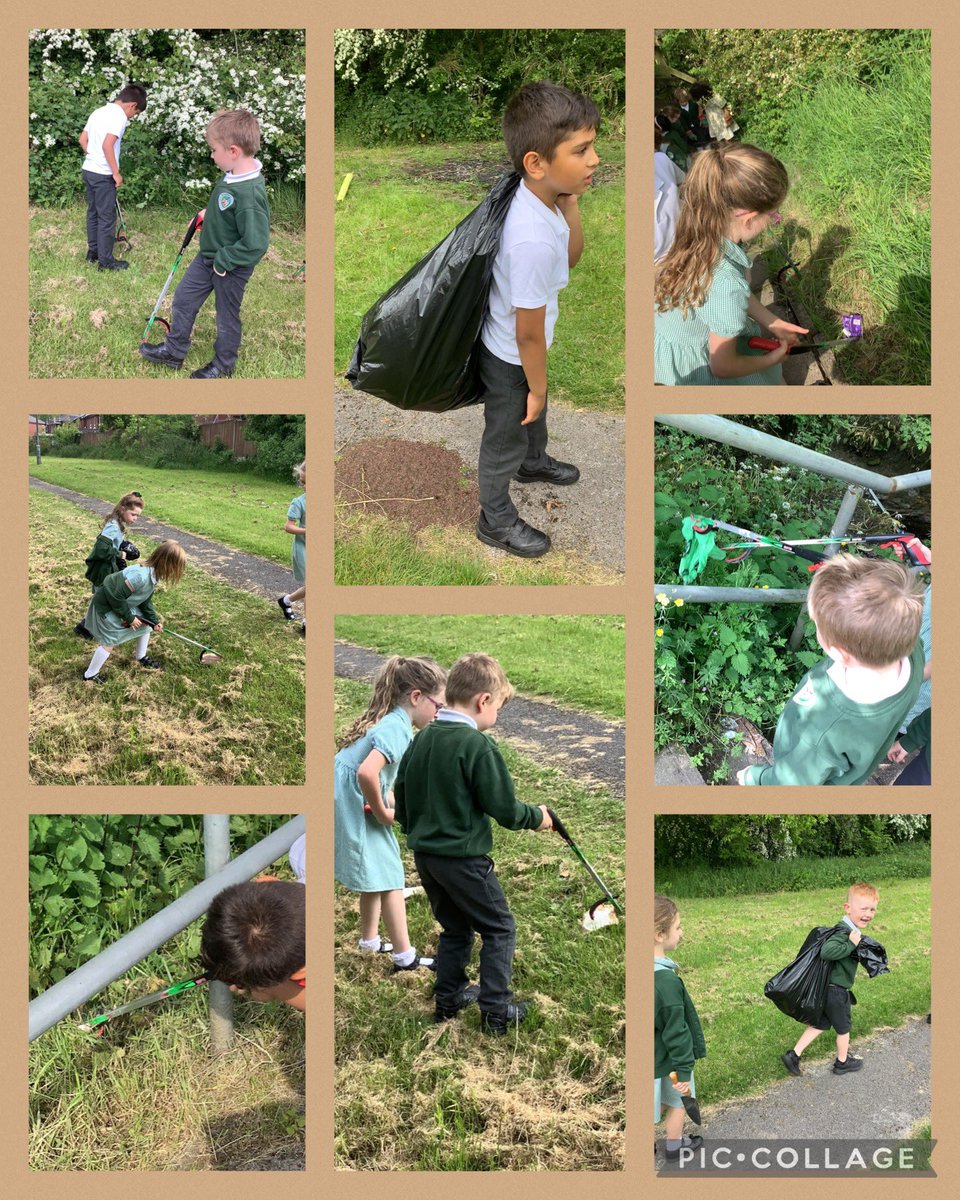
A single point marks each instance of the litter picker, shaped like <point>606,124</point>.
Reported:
<point>207,656</point>
<point>559,826</point>
<point>689,1102</point>
<point>121,235</point>
<point>195,224</point>
<point>98,1024</point>
<point>852,332</point>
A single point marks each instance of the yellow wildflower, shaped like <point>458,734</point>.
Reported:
<point>659,633</point>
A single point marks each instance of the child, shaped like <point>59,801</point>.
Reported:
<point>703,303</point>
<point>121,605</point>
<point>100,143</point>
<point>720,121</point>
<point>676,146</point>
<point>847,710</point>
<point>859,910</point>
<point>254,938</point>
<point>550,135</point>
<point>667,178</point>
<point>234,237</point>
<point>296,515</point>
<point>407,695</point>
<point>111,551</point>
<point>677,1034</point>
<point>451,781</point>
<point>917,774</point>
<point>697,135</point>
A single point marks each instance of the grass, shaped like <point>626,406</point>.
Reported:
<point>86,323</point>
<point>238,722</point>
<point>733,945</point>
<point>390,218</point>
<point>236,508</point>
<point>412,1095</point>
<point>585,668</point>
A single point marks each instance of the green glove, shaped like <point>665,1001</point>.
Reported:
<point>698,549</point>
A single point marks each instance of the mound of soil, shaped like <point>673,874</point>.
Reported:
<point>418,483</point>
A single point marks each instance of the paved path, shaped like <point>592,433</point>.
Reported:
<point>583,747</point>
<point>591,519</point>
<point>800,370</point>
<point>244,571</point>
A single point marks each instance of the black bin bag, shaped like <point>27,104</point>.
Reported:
<point>800,989</point>
<point>419,343</point>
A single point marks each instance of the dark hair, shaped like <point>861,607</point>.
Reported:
<point>701,91</point>
<point>255,934</point>
<point>540,115</point>
<point>133,93</point>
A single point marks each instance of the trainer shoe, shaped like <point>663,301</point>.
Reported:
<point>115,264</point>
<point>500,1022</point>
<point>848,1065</point>
<point>560,473</point>
<point>83,631</point>
<point>210,371</point>
<point>152,663</point>
<point>451,1009</point>
<point>160,355</point>
<point>428,964</point>
<point>519,538</point>
<point>791,1061</point>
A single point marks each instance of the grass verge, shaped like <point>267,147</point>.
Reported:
<point>232,507</point>
<point>239,722</point>
<point>86,323</point>
<point>586,667</point>
<point>403,201</point>
<point>412,1095</point>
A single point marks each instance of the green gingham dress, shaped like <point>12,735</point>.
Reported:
<point>681,347</point>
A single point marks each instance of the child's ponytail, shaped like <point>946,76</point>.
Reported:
<point>718,184</point>
<point>398,677</point>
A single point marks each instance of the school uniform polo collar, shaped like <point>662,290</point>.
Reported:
<point>532,201</point>
<point>229,177</point>
<point>735,253</point>
<point>846,921</point>
<point>453,717</point>
<point>406,716</point>
<point>662,963</point>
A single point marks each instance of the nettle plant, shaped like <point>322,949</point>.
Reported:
<point>189,74</point>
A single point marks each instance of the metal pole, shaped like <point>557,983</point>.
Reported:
<point>216,855</point>
<point>848,506</point>
<point>724,595</point>
<point>719,429</point>
<point>37,428</point>
<point>54,1004</point>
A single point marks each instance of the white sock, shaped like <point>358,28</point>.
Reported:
<point>142,642</point>
<point>286,599</point>
<point>370,945</point>
<point>403,958</point>
<point>100,656</point>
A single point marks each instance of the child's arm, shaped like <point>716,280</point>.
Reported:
<point>253,240</point>
<point>532,348</point>
<point>84,140</point>
<point>726,363</point>
<point>492,789</point>
<point>772,323</point>
<point>570,207</point>
<point>293,527</point>
<point>368,778</point>
<point>109,141</point>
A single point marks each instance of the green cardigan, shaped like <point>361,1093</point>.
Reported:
<point>112,596</point>
<point>677,1034</point>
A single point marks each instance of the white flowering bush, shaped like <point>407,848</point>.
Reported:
<point>188,74</point>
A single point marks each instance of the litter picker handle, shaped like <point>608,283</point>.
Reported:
<point>195,224</point>
<point>759,343</point>
<point>559,826</point>
<point>916,551</point>
<point>809,555</point>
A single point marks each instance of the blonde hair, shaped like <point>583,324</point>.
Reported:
<point>664,914</point>
<point>235,127</point>
<point>474,674</point>
<point>169,561</point>
<point>398,677</point>
<point>130,500</point>
<point>719,182</point>
<point>300,471</point>
<point>680,93</point>
<point>862,889</point>
<point>870,607</point>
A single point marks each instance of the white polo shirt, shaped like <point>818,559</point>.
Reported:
<point>110,118</point>
<point>531,267</point>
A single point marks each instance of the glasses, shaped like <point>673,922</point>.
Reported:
<point>436,706</point>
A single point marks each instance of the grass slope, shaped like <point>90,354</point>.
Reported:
<point>391,217</point>
<point>235,508</point>
<point>240,722</point>
<point>86,323</point>
<point>412,1095</point>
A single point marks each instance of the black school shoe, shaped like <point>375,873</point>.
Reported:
<point>210,371</point>
<point>560,473</point>
<point>115,264</point>
<point>691,1143</point>
<point>519,538</point>
<point>428,964</point>
<point>160,355</point>
<point>83,631</point>
<point>791,1060</point>
<point>152,663</point>
<point>93,256</point>
<point>100,678</point>
<point>848,1066</point>
<point>499,1023</point>
<point>453,1008</point>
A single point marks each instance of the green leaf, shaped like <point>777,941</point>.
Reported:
<point>94,860</point>
<point>91,828</point>
<point>808,658</point>
<point>727,635</point>
<point>118,854</point>
<point>71,855</point>
<point>54,905</point>
<point>148,845</point>
<point>89,945</point>
<point>741,664</point>
<point>87,887</point>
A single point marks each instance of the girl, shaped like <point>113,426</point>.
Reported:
<point>111,552</point>
<point>677,1036</point>
<point>407,695</point>
<point>719,119</point>
<point>296,515</point>
<point>121,605</point>
<point>703,303</point>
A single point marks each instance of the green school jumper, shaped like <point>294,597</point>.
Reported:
<point>236,228</point>
<point>677,1034</point>
<point>824,737</point>
<point>918,734</point>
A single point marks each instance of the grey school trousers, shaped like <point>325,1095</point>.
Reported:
<point>199,281</point>
<point>506,445</point>
<point>101,215</point>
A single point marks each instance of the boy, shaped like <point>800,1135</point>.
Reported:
<point>235,235</point>
<point>100,143</point>
<point>849,708</point>
<point>450,782</point>
<point>859,910</point>
<point>550,134</point>
<point>254,939</point>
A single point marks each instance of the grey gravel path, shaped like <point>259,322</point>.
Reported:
<point>584,747</point>
<point>244,571</point>
<point>591,520</point>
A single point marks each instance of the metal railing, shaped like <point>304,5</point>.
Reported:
<point>720,429</point>
<point>77,988</point>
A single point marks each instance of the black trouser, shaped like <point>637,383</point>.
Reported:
<point>199,281</point>
<point>101,215</point>
<point>915,773</point>
<point>506,444</point>
<point>466,897</point>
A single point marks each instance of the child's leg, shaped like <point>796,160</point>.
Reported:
<point>843,1045</point>
<point>456,939</point>
<point>806,1038</point>
<point>369,916</point>
<point>228,290</point>
<point>143,641</point>
<point>192,291</point>
<point>104,200</point>
<point>673,1125</point>
<point>92,246</point>
<point>394,913</point>
<point>100,656</point>
<point>293,597</point>
<point>505,442</point>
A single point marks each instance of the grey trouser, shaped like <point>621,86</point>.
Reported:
<point>506,444</point>
<point>199,281</point>
<point>101,214</point>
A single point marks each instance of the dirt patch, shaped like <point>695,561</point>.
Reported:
<point>60,315</point>
<point>418,483</point>
<point>97,317</point>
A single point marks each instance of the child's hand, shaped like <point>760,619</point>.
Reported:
<point>200,215</point>
<point>118,179</point>
<point>855,936</point>
<point>567,202</point>
<point>896,753</point>
<point>547,822</point>
<point>158,628</point>
<point>535,406</point>
<point>135,623</point>
<point>389,801</point>
<point>783,331</point>
<point>683,1087</point>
